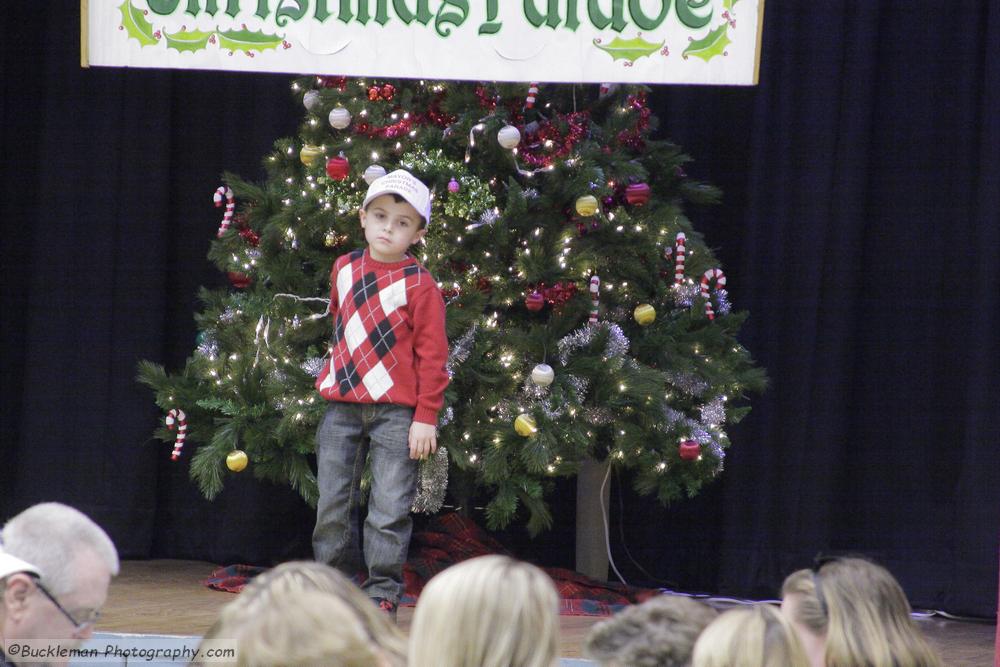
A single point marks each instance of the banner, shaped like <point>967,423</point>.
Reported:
<point>638,41</point>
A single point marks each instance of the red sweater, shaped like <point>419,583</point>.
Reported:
<point>389,342</point>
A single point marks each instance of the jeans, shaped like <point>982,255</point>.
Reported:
<point>348,433</point>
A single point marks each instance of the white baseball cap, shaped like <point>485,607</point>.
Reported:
<point>12,565</point>
<point>407,186</point>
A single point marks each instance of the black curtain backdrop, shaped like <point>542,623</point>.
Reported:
<point>860,228</point>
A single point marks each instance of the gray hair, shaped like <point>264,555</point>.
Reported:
<point>50,536</point>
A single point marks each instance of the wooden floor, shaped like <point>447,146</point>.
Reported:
<point>167,597</point>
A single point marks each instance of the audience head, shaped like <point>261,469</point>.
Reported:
<point>754,636</point>
<point>660,632</point>
<point>56,565</point>
<point>857,614</point>
<point>490,611</point>
<point>307,613</point>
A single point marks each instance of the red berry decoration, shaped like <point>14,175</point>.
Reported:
<point>535,302</point>
<point>373,93</point>
<point>338,168</point>
<point>239,280</point>
<point>637,194</point>
<point>689,450</point>
<point>388,90</point>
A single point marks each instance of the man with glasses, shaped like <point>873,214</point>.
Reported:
<point>55,568</point>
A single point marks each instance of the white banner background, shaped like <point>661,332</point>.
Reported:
<point>725,50</point>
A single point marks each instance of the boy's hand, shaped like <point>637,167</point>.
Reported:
<point>423,440</point>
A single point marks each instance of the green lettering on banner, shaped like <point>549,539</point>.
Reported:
<point>423,14</point>
<point>643,21</point>
<point>685,12</point>
<point>322,12</point>
<point>572,21</point>
<point>491,27</point>
<point>284,13</point>
<point>212,7</point>
<point>163,7</point>
<point>456,19</point>
<point>536,18</point>
<point>262,11</point>
<point>600,21</point>
<point>381,12</point>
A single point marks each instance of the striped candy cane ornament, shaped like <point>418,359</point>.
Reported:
<point>221,192</point>
<point>679,260</point>
<point>720,282</point>
<point>178,417</point>
<point>595,299</point>
<point>529,103</point>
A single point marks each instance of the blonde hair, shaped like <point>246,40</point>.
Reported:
<point>491,611</point>
<point>659,632</point>
<point>866,616</point>
<point>283,587</point>
<point>755,636</point>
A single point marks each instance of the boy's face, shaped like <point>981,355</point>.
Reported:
<point>391,227</point>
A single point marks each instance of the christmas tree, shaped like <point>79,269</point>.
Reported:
<point>586,317</point>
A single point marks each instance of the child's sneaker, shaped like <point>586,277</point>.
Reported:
<point>388,606</point>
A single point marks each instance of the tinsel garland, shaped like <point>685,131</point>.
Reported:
<point>314,366</point>
<point>432,483</point>
<point>549,142</point>
<point>461,348</point>
<point>614,353</point>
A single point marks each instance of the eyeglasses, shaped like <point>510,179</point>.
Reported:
<point>79,626</point>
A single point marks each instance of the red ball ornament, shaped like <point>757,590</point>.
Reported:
<point>388,90</point>
<point>239,280</point>
<point>373,93</point>
<point>535,302</point>
<point>637,194</point>
<point>689,450</point>
<point>338,168</point>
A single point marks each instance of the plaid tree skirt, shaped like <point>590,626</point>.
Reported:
<point>450,539</point>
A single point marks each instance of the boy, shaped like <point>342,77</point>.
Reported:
<point>385,384</point>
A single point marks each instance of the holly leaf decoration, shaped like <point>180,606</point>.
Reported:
<point>630,50</point>
<point>728,4</point>
<point>135,24</point>
<point>185,40</point>
<point>713,44</point>
<point>246,40</point>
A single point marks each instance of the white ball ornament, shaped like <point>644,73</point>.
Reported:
<point>311,100</point>
<point>374,172</point>
<point>543,375</point>
<point>508,137</point>
<point>340,118</point>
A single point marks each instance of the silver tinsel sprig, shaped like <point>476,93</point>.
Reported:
<point>685,294</point>
<point>313,366</point>
<point>461,349</point>
<point>723,305</point>
<point>619,314</point>
<point>578,385</point>
<point>229,315</point>
<point>599,416</point>
<point>614,353</point>
<point>209,346</point>
<point>532,391</point>
<point>531,193</point>
<point>713,413</point>
<point>432,482</point>
<point>446,416</point>
<point>688,383</point>
<point>672,416</point>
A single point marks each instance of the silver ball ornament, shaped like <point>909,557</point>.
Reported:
<point>374,172</point>
<point>340,118</point>
<point>543,375</point>
<point>311,100</point>
<point>509,137</point>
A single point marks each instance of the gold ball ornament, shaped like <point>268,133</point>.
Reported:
<point>236,460</point>
<point>587,205</point>
<point>310,154</point>
<point>644,314</point>
<point>543,375</point>
<point>525,425</point>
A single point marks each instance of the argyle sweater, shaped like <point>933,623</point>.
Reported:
<point>389,342</point>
